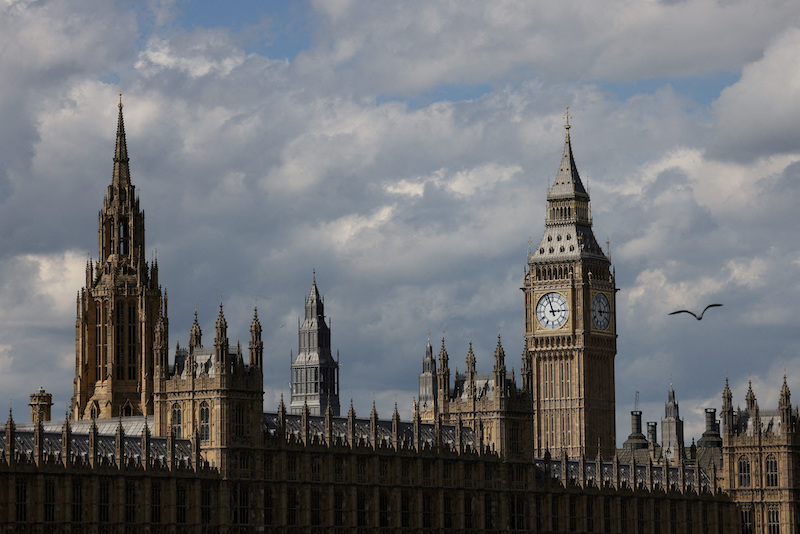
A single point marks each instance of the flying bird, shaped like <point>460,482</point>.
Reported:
<point>694,314</point>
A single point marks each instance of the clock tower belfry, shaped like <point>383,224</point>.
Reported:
<point>570,326</point>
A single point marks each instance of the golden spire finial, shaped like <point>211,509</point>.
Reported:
<point>120,101</point>
<point>566,116</point>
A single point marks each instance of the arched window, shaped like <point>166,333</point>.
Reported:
<point>744,472</point>
<point>176,420</point>
<point>771,469</point>
<point>205,418</point>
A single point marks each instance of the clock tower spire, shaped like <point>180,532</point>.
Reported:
<point>570,327</point>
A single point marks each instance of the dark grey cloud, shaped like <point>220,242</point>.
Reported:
<point>253,172</point>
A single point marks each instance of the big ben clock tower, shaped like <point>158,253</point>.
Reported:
<point>570,326</point>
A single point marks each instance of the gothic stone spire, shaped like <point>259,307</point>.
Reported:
<point>122,174</point>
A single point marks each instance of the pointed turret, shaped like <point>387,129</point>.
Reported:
<point>256,345</point>
<point>567,184</point>
<point>672,428</point>
<point>315,374</point>
<point>221,343</point>
<point>785,397</point>
<point>160,347</point>
<point>395,428</point>
<point>727,408</point>
<point>195,334</point>
<point>119,444</point>
<point>785,406</point>
<point>568,214</point>
<point>351,425</point>
<point>329,426</point>
<point>373,426</point>
<point>499,368</point>
<point>526,371</point>
<point>66,442</point>
<point>282,418</point>
<point>145,445</point>
<point>443,378</point>
<point>750,398</point>
<point>122,173</point>
<point>471,372</point>
<point>427,380</point>
<point>11,441</point>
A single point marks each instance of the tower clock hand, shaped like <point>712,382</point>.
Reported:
<point>550,302</point>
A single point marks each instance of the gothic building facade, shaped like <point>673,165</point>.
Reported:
<point>185,446</point>
<point>565,401</point>
<point>761,462</point>
<point>118,308</point>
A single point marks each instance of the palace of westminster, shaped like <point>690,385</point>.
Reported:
<point>151,445</point>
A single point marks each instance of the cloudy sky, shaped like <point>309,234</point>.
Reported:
<point>403,150</point>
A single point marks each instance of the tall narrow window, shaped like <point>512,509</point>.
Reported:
<point>130,502</point>
<point>573,514</point>
<point>103,503</point>
<point>205,432</point>
<point>771,471</point>
<point>427,510</point>
<point>747,519</point>
<point>773,519</point>
<point>77,501</point>
<point>468,524</point>
<point>98,341</point>
<point>205,505</point>
<point>131,342</point>
<point>155,503</point>
<point>21,507</point>
<point>623,516</point>
<point>49,501</point>
<point>176,420</point>
<point>268,506</point>
<point>744,472</point>
<point>405,509</point>
<point>120,342</point>
<point>180,504</point>
<point>316,508</point>
<point>291,507</point>
<point>338,509</point>
<point>123,236</point>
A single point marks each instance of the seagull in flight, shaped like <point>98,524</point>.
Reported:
<point>694,314</point>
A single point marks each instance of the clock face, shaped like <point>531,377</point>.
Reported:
<point>552,310</point>
<point>601,311</point>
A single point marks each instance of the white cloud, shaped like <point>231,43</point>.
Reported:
<point>416,215</point>
<point>195,54</point>
<point>757,116</point>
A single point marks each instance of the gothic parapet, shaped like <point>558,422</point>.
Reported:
<point>122,445</point>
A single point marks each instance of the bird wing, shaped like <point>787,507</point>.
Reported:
<point>707,307</point>
<point>686,311</point>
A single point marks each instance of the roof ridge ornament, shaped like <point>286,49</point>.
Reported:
<point>566,117</point>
